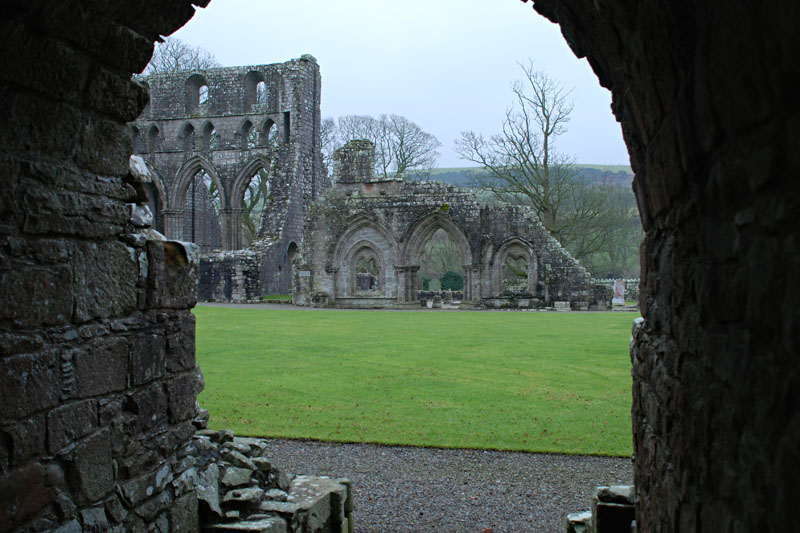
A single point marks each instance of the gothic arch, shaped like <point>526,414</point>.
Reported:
<point>270,127</point>
<point>364,234</point>
<point>357,225</point>
<point>360,251</point>
<point>243,177</point>
<point>208,137</point>
<point>184,178</point>
<point>421,232</point>
<point>513,246</point>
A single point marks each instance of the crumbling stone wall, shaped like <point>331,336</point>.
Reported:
<point>388,223</point>
<point>98,382</point>
<point>230,123</point>
<point>706,95</point>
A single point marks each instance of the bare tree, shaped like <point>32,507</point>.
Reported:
<point>524,166</point>
<point>174,55</point>
<point>400,144</point>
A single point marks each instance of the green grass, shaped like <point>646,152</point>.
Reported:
<point>277,298</point>
<point>543,382</point>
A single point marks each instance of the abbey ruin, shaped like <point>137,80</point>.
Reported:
<point>98,380</point>
<point>217,129</point>
<point>366,239</point>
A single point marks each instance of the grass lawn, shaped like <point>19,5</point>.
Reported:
<point>277,298</point>
<point>543,382</point>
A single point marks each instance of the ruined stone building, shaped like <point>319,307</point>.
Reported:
<point>215,130</point>
<point>97,371</point>
<point>366,239</point>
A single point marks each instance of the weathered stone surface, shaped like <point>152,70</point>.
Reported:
<point>579,522</point>
<point>244,497</point>
<point>71,286</point>
<point>171,275</point>
<point>181,346</point>
<point>208,488</point>
<point>183,514</point>
<point>147,356</point>
<point>262,463</point>
<point>264,525</point>
<point>276,495</point>
<point>108,275</point>
<point>30,383</point>
<point>182,395</point>
<point>115,510</point>
<point>237,459</point>
<point>616,494</point>
<point>150,406</point>
<point>27,439</point>
<point>73,526</point>
<point>23,493</point>
<point>150,509</point>
<point>94,519</point>
<point>236,477</point>
<point>89,466</point>
<point>101,367</point>
<point>69,423</point>
<point>50,288</point>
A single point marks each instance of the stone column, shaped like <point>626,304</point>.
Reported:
<point>173,224</point>
<point>231,219</point>
<point>406,282</point>
<point>472,282</point>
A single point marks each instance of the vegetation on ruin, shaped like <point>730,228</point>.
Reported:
<point>539,382</point>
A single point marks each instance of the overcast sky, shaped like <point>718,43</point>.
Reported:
<point>445,64</point>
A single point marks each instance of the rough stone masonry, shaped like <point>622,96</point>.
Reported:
<point>385,224</point>
<point>220,127</point>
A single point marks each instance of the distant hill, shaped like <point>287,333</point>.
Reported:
<point>463,176</point>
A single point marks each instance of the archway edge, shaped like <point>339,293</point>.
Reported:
<point>243,177</point>
<point>355,225</point>
<point>419,233</point>
<point>184,177</point>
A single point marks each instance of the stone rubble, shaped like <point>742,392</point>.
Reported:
<point>238,489</point>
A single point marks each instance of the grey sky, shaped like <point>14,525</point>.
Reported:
<point>445,64</point>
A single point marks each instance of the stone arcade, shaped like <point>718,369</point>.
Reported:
<point>97,379</point>
<point>365,240</point>
<point>225,125</point>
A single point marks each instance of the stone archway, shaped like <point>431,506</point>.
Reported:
<point>414,248</point>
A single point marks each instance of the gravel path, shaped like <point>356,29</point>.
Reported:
<point>403,489</point>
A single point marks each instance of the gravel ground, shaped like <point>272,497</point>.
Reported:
<point>399,488</point>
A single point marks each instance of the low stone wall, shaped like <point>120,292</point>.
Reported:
<point>230,277</point>
<point>603,290</point>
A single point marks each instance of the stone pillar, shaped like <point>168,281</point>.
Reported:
<point>333,273</point>
<point>406,283</point>
<point>173,224</point>
<point>231,219</point>
<point>472,282</point>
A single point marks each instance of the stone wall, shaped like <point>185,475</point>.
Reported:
<point>256,118</point>
<point>97,369</point>
<point>230,277</point>
<point>706,95</point>
<point>389,223</point>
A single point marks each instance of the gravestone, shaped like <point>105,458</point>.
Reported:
<point>435,285</point>
<point>619,292</point>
